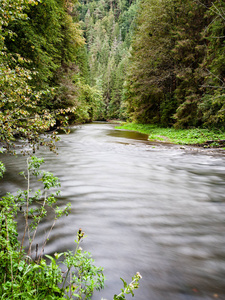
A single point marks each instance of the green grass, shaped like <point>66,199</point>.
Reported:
<point>177,136</point>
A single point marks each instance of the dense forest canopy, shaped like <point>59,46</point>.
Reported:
<point>41,68</point>
<point>176,71</point>
<point>108,27</point>
<point>157,61</point>
<point>148,61</point>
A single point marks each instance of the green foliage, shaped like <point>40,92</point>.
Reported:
<point>213,102</point>
<point>161,66</point>
<point>178,136</point>
<point>2,169</point>
<point>20,115</point>
<point>47,38</point>
<point>108,27</point>
<point>92,107</point>
<point>39,48</point>
<point>128,288</point>
<point>176,71</point>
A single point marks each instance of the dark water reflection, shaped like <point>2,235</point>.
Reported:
<point>156,209</point>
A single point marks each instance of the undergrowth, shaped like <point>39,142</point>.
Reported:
<point>177,136</point>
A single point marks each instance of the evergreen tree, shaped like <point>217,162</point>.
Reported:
<point>177,52</point>
<point>189,51</point>
<point>150,78</point>
<point>106,25</point>
<point>213,102</point>
<point>41,50</point>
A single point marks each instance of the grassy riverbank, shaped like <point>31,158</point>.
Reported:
<point>195,136</point>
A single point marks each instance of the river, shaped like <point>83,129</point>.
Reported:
<point>154,208</point>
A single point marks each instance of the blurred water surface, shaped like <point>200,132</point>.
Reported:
<point>153,208</point>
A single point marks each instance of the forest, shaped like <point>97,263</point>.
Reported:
<point>151,62</point>
<point>176,71</point>
<point>158,62</point>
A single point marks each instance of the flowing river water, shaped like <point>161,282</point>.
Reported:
<point>154,208</point>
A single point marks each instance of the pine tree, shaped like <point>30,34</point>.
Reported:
<point>189,51</point>
<point>213,102</point>
<point>165,78</point>
<point>106,25</point>
<point>151,72</point>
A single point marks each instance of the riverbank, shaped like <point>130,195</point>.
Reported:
<point>198,137</point>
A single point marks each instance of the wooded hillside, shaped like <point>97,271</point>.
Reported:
<point>41,63</point>
<point>148,61</point>
<point>108,27</point>
<point>176,74</point>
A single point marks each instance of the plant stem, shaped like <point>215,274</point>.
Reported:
<point>126,289</point>
<point>34,234</point>
<point>27,206</point>
<point>68,271</point>
<point>7,237</point>
<point>45,242</point>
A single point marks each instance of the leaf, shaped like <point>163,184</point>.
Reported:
<point>50,257</point>
<point>124,283</point>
